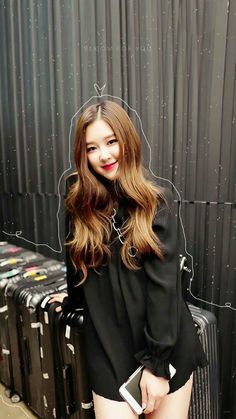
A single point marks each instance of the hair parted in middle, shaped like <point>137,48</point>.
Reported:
<point>90,203</point>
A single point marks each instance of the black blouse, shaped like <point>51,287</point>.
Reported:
<point>153,299</point>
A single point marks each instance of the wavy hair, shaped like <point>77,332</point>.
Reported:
<point>90,202</point>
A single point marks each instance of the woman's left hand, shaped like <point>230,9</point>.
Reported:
<point>153,390</point>
<point>57,298</point>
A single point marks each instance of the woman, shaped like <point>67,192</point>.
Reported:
<point>122,268</point>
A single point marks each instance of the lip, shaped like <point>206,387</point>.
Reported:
<point>109,166</point>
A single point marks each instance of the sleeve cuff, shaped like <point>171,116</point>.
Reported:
<point>67,305</point>
<point>155,365</point>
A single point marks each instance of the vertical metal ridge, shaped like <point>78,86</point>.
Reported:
<point>35,171</point>
<point>23,171</point>
<point>12,14</point>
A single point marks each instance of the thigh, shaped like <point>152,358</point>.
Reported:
<point>174,405</point>
<point>107,409</point>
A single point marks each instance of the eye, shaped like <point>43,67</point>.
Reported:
<point>113,140</point>
<point>90,149</point>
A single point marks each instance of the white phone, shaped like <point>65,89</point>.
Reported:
<point>131,392</point>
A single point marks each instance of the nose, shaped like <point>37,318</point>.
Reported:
<point>104,155</point>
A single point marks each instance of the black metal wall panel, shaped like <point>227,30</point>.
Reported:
<point>45,230</point>
<point>210,231</point>
<point>173,62</point>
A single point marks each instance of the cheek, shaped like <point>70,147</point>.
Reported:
<point>117,151</point>
<point>91,159</point>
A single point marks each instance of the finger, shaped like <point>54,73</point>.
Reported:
<point>52,300</point>
<point>57,299</point>
<point>144,397</point>
<point>150,406</point>
<point>58,309</point>
<point>53,296</point>
<point>157,402</point>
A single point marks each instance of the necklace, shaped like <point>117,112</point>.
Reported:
<point>118,230</point>
<point>132,251</point>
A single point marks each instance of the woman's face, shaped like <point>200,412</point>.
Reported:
<point>103,149</point>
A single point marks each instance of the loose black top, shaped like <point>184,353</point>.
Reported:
<point>134,317</point>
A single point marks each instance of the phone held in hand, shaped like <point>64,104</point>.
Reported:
<point>131,392</point>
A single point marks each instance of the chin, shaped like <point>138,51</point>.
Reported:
<point>111,177</point>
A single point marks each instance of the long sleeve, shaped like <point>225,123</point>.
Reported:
<point>163,295</point>
<point>75,293</point>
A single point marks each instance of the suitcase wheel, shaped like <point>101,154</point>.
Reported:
<point>8,392</point>
<point>15,398</point>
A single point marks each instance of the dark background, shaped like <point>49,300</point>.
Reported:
<point>173,62</point>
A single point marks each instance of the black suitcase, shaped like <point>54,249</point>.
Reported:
<point>30,346</point>
<point>10,264</point>
<point>205,394</point>
<point>78,394</point>
<point>204,402</point>
<point>72,396</point>
<point>13,273</point>
<point>20,298</point>
<point>53,393</point>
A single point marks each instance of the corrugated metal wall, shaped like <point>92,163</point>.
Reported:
<point>173,62</point>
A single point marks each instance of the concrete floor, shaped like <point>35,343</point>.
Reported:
<point>9,410</point>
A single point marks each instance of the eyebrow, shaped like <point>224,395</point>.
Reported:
<point>104,138</point>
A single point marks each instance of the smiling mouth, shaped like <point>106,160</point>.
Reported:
<point>109,166</point>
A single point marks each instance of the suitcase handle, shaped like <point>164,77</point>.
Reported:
<point>69,389</point>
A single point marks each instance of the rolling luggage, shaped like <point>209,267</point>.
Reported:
<point>63,336</point>
<point>11,265</point>
<point>22,298</point>
<point>78,395</point>
<point>29,341</point>
<point>204,402</point>
<point>53,393</point>
<point>14,271</point>
<point>205,394</point>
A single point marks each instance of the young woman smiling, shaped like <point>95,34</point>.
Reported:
<point>122,268</point>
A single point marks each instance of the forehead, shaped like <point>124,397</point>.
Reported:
<point>98,131</point>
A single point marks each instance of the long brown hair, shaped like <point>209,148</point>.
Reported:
<point>90,203</point>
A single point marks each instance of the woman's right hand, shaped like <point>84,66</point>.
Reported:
<point>153,390</point>
<point>57,298</point>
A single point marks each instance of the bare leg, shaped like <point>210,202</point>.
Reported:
<point>174,405</point>
<point>107,409</point>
